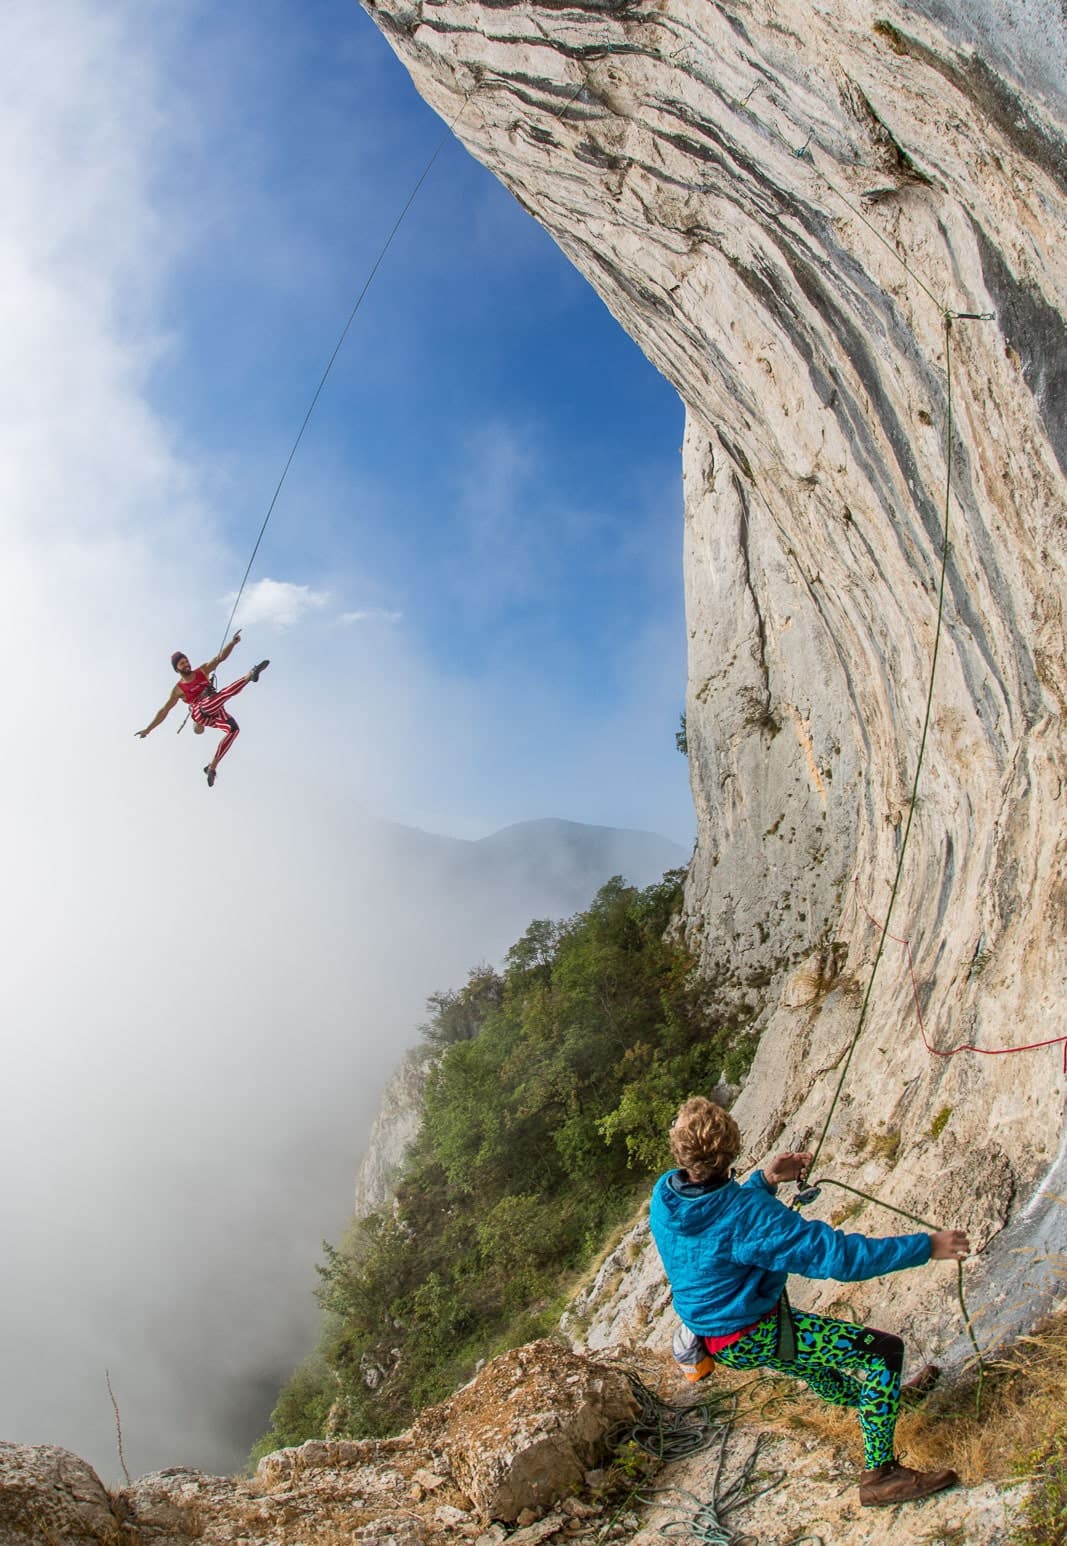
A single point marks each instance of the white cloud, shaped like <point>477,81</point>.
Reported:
<point>368,615</point>
<point>278,603</point>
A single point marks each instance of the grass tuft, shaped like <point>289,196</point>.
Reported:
<point>885,1146</point>
<point>937,1126</point>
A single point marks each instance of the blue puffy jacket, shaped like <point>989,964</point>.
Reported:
<point>728,1251</point>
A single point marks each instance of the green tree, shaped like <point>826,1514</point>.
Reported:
<point>459,1016</point>
<point>548,1098</point>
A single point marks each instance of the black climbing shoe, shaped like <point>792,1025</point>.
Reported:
<point>254,674</point>
<point>210,771</point>
<point>920,1385</point>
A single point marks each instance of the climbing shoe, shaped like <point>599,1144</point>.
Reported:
<point>921,1384</point>
<point>691,1354</point>
<point>254,674</point>
<point>896,1483</point>
<point>210,771</point>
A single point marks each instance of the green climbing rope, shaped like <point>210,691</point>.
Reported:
<point>669,1432</point>
<point>948,318</point>
<point>925,1223</point>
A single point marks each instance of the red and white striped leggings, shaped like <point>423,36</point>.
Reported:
<point>209,712</point>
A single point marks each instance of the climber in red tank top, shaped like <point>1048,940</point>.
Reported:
<point>205,700</point>
<point>194,685</point>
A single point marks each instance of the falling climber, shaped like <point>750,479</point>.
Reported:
<point>206,701</point>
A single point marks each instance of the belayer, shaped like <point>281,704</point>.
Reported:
<point>727,1250</point>
<point>206,701</point>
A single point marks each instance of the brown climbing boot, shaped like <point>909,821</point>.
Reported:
<point>921,1384</point>
<point>896,1483</point>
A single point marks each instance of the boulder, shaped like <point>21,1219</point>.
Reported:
<point>524,1432</point>
<point>49,1495</point>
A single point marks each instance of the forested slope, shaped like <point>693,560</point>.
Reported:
<point>552,1086</point>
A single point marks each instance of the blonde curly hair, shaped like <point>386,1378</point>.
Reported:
<point>705,1139</point>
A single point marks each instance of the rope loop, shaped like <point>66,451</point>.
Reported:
<point>670,1432</point>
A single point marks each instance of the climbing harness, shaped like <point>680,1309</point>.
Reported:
<point>695,1362</point>
<point>785,1339</point>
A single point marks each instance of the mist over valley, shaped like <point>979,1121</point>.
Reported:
<point>187,1145</point>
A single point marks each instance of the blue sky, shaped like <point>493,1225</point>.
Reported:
<point>492,472</point>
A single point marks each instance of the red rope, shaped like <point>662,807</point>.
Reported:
<point>964,1046</point>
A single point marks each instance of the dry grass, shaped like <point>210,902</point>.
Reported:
<point>580,1282</point>
<point>1023,1410</point>
<point>1024,1407</point>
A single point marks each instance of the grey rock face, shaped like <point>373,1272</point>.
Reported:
<point>794,210</point>
<point>394,1128</point>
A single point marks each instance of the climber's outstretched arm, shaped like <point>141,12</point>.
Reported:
<point>216,660</point>
<point>161,716</point>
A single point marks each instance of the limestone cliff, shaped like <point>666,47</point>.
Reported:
<point>795,211</point>
<point>395,1126</point>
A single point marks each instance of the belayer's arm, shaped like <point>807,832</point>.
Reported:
<point>779,1238</point>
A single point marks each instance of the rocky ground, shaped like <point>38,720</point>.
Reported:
<point>506,1456</point>
<point>523,1454</point>
<point>817,1501</point>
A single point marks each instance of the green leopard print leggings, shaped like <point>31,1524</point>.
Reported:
<point>847,1365</point>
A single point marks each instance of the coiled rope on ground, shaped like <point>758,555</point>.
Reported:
<point>670,1431</point>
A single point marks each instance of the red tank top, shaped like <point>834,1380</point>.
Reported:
<point>195,685</point>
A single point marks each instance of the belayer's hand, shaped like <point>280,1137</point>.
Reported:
<point>949,1245</point>
<point>786,1167</point>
